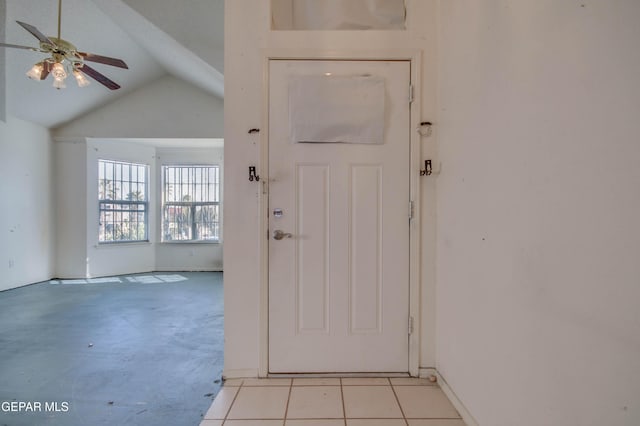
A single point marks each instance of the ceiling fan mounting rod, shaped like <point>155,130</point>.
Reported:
<point>59,17</point>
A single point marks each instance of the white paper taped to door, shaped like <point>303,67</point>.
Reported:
<point>337,109</point>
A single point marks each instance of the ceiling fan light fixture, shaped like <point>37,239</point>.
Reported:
<point>59,83</point>
<point>35,73</point>
<point>58,71</point>
<point>59,74</point>
<point>80,78</point>
<point>64,59</point>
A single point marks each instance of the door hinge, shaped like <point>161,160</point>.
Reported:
<point>410,93</point>
<point>410,210</point>
<point>410,325</point>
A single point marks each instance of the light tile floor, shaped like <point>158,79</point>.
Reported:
<point>331,402</point>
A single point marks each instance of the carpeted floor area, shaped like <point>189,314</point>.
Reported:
<point>142,349</point>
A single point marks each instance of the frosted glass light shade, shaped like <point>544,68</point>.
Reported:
<point>58,71</point>
<point>58,83</point>
<point>35,73</point>
<point>80,78</point>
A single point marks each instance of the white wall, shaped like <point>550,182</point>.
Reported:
<point>80,254</point>
<point>3,90</point>
<point>538,207</point>
<point>165,112</point>
<point>70,182</point>
<point>126,258</point>
<point>165,108</point>
<point>247,33</point>
<point>27,216</point>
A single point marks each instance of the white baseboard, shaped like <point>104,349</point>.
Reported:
<point>178,270</point>
<point>333,375</point>
<point>247,373</point>
<point>426,372</point>
<point>466,415</point>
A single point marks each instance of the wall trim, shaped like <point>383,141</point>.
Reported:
<point>414,56</point>
<point>466,415</point>
<point>426,372</point>
<point>240,373</point>
<point>163,269</point>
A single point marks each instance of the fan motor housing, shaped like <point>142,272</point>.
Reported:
<point>60,47</point>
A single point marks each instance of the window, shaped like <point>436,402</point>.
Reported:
<point>191,203</point>
<point>342,15</point>
<point>123,201</point>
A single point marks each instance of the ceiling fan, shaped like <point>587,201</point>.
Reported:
<point>64,59</point>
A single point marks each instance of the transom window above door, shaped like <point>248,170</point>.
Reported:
<point>327,15</point>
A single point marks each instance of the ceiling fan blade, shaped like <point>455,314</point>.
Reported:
<point>99,77</point>
<point>103,60</point>
<point>45,71</point>
<point>34,49</point>
<point>33,30</point>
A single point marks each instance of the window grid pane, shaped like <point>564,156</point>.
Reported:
<point>123,203</point>
<point>191,210</point>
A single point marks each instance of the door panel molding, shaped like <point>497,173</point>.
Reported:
<point>362,280</point>
<point>312,257</point>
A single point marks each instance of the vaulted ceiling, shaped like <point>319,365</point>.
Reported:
<point>154,38</point>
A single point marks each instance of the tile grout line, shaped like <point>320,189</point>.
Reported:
<point>398,401</point>
<point>286,410</point>
<point>232,402</point>
<point>341,384</point>
<point>344,408</point>
<point>363,385</point>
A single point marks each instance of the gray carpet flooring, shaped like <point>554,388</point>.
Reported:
<point>141,349</point>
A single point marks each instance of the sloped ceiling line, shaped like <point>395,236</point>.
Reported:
<point>175,58</point>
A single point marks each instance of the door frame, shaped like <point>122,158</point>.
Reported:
<point>414,57</point>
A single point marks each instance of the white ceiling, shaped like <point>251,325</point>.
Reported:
<point>154,38</point>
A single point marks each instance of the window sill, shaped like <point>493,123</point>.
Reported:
<point>121,244</point>
<point>208,242</point>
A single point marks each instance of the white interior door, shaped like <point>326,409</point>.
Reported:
<point>339,283</point>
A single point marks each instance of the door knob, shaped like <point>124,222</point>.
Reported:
<point>278,235</point>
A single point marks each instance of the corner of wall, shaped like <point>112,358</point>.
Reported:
<point>462,410</point>
<point>3,84</point>
<point>26,252</point>
<point>70,177</point>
